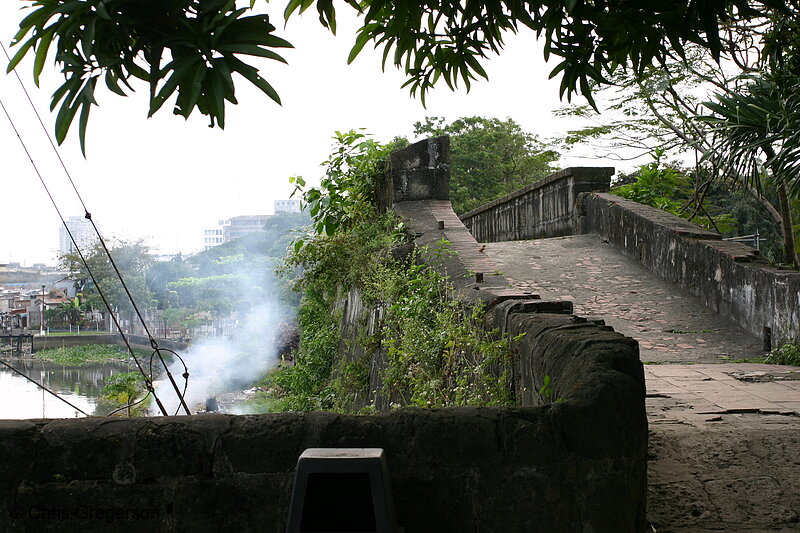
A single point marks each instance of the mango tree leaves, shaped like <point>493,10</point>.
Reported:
<point>123,39</point>
<point>432,40</point>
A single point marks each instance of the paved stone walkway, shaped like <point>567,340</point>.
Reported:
<point>701,395</point>
<point>670,325</point>
<point>724,452</point>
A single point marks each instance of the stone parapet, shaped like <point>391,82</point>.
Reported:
<point>540,210</point>
<point>728,277</point>
<point>535,469</point>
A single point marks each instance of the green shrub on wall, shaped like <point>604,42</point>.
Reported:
<point>437,353</point>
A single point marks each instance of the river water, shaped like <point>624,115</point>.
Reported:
<point>81,386</point>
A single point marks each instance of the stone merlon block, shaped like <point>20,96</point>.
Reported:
<point>421,171</point>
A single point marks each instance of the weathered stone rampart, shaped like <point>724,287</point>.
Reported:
<point>576,369</point>
<point>728,277</point>
<point>571,458</point>
<point>540,210</point>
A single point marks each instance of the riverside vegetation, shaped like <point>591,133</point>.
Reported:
<point>437,352</point>
<point>84,355</point>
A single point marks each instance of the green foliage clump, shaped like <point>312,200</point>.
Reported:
<point>132,258</point>
<point>671,189</point>
<point>347,190</point>
<point>123,389</point>
<point>657,187</point>
<point>122,40</point>
<point>83,355</point>
<point>303,386</point>
<point>436,352</point>
<point>788,354</point>
<point>68,313</point>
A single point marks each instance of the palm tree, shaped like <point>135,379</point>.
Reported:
<point>123,389</point>
<point>757,136</point>
<point>69,312</point>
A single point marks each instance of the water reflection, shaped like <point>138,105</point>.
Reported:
<point>81,386</point>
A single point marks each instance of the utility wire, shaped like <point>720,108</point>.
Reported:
<point>43,387</point>
<point>148,380</point>
<point>88,216</point>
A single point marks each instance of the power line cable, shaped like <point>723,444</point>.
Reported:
<point>148,380</point>
<point>88,216</point>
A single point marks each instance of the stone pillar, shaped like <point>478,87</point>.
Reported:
<point>419,172</point>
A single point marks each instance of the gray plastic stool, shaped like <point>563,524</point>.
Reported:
<point>342,490</point>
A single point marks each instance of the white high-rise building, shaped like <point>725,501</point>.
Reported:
<point>83,233</point>
<point>212,236</point>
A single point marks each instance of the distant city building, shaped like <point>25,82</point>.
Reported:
<point>83,233</point>
<point>19,278</point>
<point>287,206</point>
<point>232,229</point>
<point>237,227</point>
<point>212,236</point>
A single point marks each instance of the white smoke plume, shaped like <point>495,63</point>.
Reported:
<point>220,364</point>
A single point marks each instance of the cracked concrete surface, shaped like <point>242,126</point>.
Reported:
<point>724,452</point>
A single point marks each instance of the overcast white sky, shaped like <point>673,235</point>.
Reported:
<point>164,179</point>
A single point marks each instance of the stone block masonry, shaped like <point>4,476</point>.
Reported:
<point>540,210</point>
<point>536,469</point>
<point>728,277</point>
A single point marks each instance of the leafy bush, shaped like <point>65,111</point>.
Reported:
<point>788,354</point>
<point>670,189</point>
<point>438,354</point>
<point>123,389</point>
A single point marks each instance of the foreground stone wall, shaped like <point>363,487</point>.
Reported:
<point>484,470</point>
<point>728,277</point>
<point>540,210</point>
